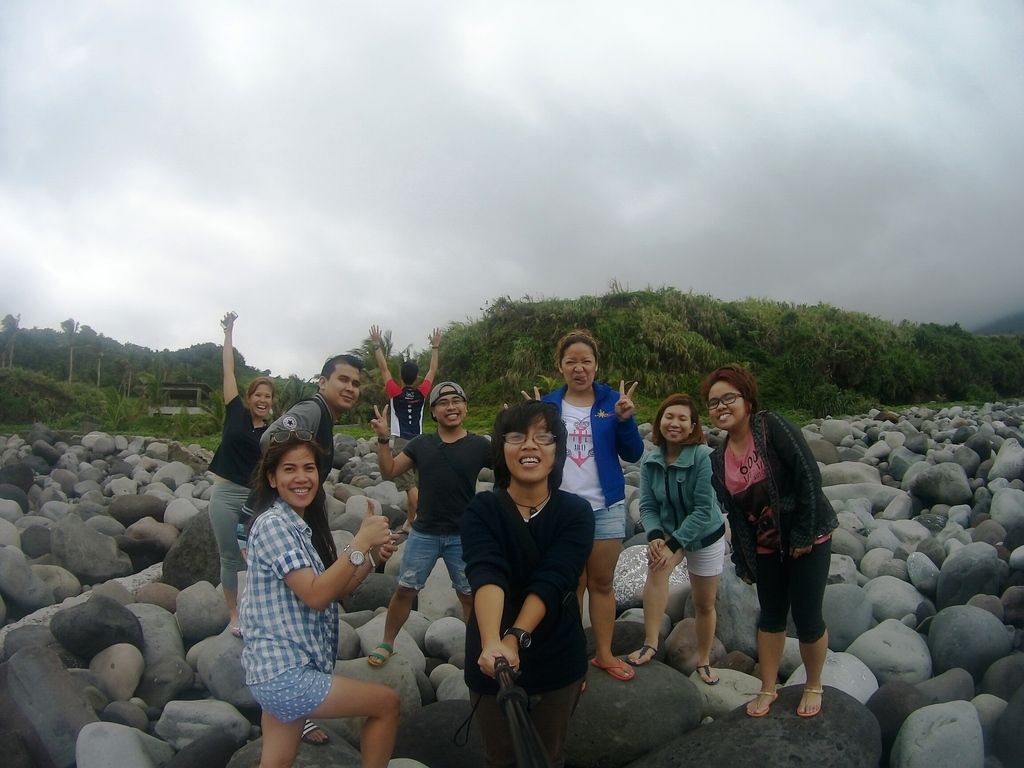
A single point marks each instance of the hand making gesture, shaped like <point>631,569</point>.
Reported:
<point>536,394</point>
<point>228,321</point>
<point>435,338</point>
<point>380,423</point>
<point>624,408</point>
<point>375,335</point>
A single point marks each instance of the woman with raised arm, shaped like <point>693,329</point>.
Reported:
<point>245,421</point>
<point>526,543</point>
<point>289,615</point>
<point>768,482</point>
<point>681,518</point>
<point>601,430</point>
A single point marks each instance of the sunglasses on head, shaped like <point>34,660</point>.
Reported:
<point>303,435</point>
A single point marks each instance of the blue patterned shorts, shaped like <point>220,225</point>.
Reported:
<point>293,694</point>
<point>610,522</point>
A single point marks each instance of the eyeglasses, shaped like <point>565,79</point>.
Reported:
<point>540,438</point>
<point>299,434</point>
<point>727,399</point>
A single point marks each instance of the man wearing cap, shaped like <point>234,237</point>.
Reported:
<point>448,463</point>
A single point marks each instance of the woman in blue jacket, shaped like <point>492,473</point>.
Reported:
<point>601,430</point>
<point>681,517</point>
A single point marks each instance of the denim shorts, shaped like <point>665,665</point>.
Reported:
<point>293,694</point>
<point>610,522</point>
<point>422,550</point>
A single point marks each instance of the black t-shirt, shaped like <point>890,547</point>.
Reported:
<point>239,449</point>
<point>448,473</point>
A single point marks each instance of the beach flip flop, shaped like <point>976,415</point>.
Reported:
<point>645,654</point>
<point>810,712</point>
<point>236,630</point>
<point>619,670</point>
<point>380,655</point>
<point>771,696</point>
<point>704,670</point>
<point>310,728</point>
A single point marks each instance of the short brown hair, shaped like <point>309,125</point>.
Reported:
<point>256,382</point>
<point>696,436</point>
<point>736,375</point>
<point>575,336</point>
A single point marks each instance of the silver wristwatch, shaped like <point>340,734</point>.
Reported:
<point>355,557</point>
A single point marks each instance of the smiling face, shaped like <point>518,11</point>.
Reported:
<point>531,461</point>
<point>578,366</point>
<point>260,401</point>
<point>732,417</point>
<point>676,424</point>
<point>341,389</point>
<point>295,477</point>
<point>449,411</point>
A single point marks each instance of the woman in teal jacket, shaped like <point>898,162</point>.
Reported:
<point>680,514</point>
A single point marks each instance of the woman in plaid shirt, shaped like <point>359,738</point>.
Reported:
<point>289,615</point>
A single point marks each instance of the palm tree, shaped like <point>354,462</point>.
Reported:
<point>70,326</point>
<point>9,328</point>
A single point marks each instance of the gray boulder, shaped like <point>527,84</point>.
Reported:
<point>219,667</point>
<point>892,598</point>
<point>940,736</point>
<point>111,745</point>
<point>845,735</point>
<point>894,652</point>
<point>165,680</point>
<point>182,722</point>
<point>161,638</point>
<point>923,573</point>
<point>942,484</point>
<point>849,472</point>
<point>848,613</point>
<point>971,570</point>
<point>1009,462</point>
<point>93,557</point>
<point>194,556</point>
<point>613,726</point>
<point>19,584</point>
<point>1008,742</point>
<point>201,612</point>
<point>967,637</point>
<point>40,701</point>
<point>130,509</point>
<point>1008,510</point>
<point>737,608</point>
<point>98,623</point>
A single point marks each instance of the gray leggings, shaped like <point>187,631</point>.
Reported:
<point>225,511</point>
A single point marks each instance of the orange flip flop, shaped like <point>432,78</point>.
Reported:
<point>619,670</point>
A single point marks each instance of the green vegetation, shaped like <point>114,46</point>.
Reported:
<point>810,361</point>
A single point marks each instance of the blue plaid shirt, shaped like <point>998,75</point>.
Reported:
<point>281,632</point>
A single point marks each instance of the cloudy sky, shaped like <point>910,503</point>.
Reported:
<point>321,166</point>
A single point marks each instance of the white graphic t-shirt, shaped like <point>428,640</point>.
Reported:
<point>579,474</point>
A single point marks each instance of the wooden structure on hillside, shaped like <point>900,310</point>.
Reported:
<point>190,396</point>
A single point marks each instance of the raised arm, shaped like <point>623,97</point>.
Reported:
<point>435,344</point>
<point>378,353</point>
<point>390,466</point>
<point>228,358</point>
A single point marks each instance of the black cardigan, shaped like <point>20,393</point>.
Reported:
<point>794,483</point>
<point>564,533</point>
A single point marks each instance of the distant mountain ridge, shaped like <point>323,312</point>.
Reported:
<point>1008,324</point>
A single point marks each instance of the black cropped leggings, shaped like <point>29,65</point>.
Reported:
<point>785,584</point>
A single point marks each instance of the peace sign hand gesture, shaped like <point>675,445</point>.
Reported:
<point>380,422</point>
<point>526,396</point>
<point>624,408</point>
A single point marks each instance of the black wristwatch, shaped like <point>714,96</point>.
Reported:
<point>522,637</point>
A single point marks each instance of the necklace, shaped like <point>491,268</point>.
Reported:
<point>533,510</point>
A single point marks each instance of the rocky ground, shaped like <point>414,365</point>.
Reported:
<point>115,650</point>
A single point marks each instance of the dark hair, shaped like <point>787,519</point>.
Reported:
<point>256,383</point>
<point>409,371</point>
<point>696,436</point>
<point>575,336</point>
<point>334,362</point>
<point>519,418</point>
<point>739,377</point>
<point>315,515</point>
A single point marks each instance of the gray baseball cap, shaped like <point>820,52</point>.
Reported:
<point>446,388</point>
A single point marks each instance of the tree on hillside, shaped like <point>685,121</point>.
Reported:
<point>70,326</point>
<point>9,328</point>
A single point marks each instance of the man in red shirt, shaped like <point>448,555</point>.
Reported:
<point>407,405</point>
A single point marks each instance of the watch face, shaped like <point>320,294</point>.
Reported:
<point>525,639</point>
<point>356,557</point>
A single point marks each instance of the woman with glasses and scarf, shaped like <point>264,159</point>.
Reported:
<point>289,613</point>
<point>768,482</point>
<point>526,543</point>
